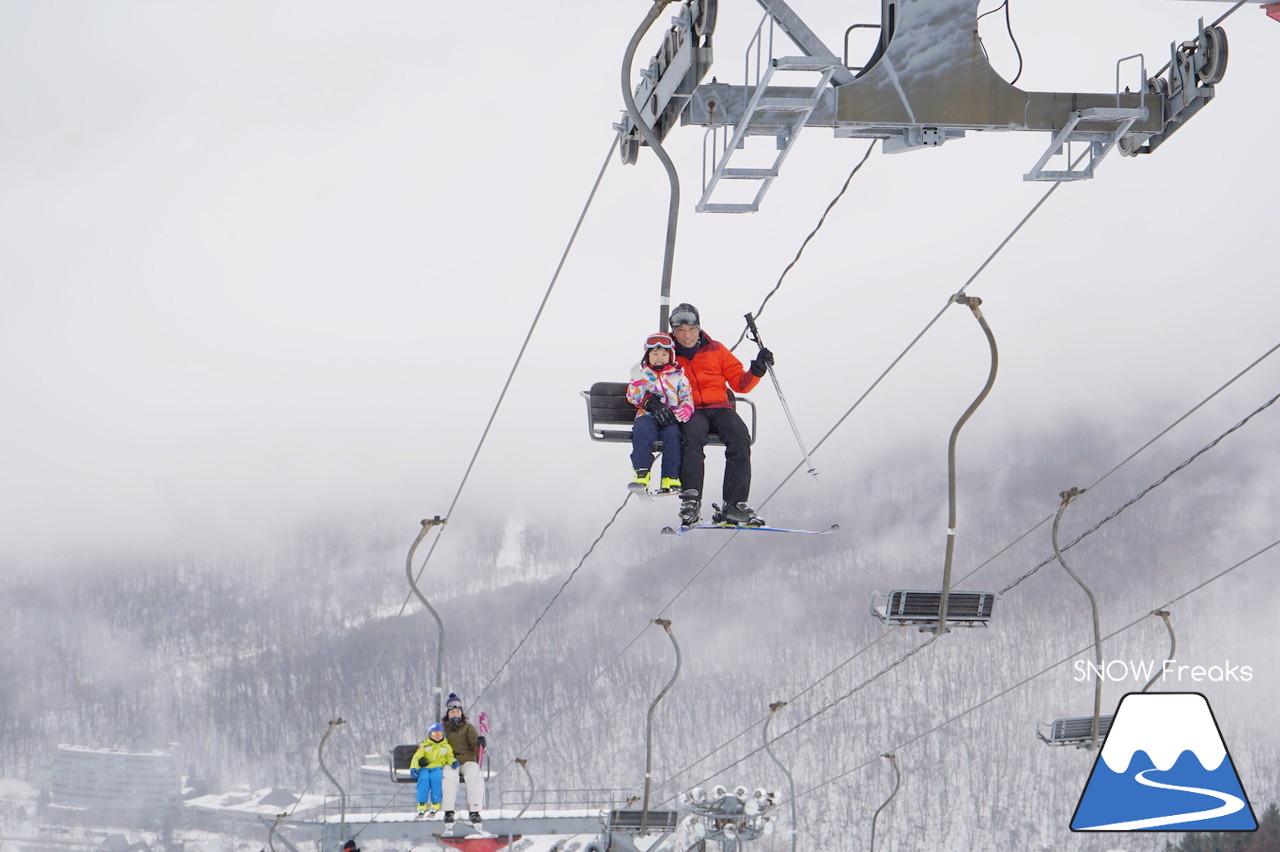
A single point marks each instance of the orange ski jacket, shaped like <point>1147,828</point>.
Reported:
<point>712,370</point>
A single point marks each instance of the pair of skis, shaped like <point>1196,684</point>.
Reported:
<point>737,528</point>
<point>648,497</point>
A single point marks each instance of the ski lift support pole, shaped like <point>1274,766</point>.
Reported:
<point>342,794</point>
<point>754,334</point>
<point>413,583</point>
<point>773,710</point>
<point>523,764</point>
<point>673,177</point>
<point>1067,497</point>
<point>897,782</point>
<point>665,624</point>
<point>1173,647</point>
<point>271,834</point>
<point>973,303</point>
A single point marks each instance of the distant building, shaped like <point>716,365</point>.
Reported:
<point>115,786</point>
<point>375,780</point>
<point>250,813</point>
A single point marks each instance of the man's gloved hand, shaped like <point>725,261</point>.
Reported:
<point>762,362</point>
<point>661,413</point>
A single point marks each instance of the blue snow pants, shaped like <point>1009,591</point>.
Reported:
<point>643,433</point>
<point>429,784</point>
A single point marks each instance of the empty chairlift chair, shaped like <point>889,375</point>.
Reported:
<point>1077,731</point>
<point>921,608</point>
<point>610,416</point>
<point>630,821</point>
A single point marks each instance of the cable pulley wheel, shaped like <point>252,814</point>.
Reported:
<point>704,17</point>
<point>629,150</point>
<point>1214,48</point>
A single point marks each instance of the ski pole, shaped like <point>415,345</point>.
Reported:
<point>754,334</point>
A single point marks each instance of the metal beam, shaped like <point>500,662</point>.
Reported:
<point>805,39</point>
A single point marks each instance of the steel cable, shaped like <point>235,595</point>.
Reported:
<point>1146,614</point>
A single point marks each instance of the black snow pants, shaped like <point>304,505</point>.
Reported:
<point>737,452</point>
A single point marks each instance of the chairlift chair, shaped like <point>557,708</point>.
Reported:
<point>920,608</point>
<point>1076,731</point>
<point>610,417</point>
<point>401,755</point>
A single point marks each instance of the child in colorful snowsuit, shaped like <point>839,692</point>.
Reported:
<point>427,766</point>
<point>663,401</point>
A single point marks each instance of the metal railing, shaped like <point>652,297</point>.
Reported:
<point>569,799</point>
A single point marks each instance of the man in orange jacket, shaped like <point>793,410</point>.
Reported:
<point>712,371</point>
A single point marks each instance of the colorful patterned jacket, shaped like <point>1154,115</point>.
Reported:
<point>666,382</point>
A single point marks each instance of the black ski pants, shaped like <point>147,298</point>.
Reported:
<point>737,452</point>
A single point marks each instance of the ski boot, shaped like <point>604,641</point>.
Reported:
<point>435,812</point>
<point>422,813</point>
<point>669,485</point>
<point>448,823</point>
<point>474,819</point>
<point>738,515</point>
<point>690,509</point>
<point>640,484</point>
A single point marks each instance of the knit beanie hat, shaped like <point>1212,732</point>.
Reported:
<point>684,314</point>
<point>454,701</point>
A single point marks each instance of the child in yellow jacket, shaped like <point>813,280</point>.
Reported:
<point>427,766</point>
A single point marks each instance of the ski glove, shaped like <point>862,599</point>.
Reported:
<point>413,773</point>
<point>480,741</point>
<point>762,363</point>
<point>661,413</point>
<point>684,412</point>
<point>453,765</point>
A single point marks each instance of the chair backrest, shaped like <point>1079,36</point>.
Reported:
<point>400,757</point>
<point>922,606</point>
<point>630,820</point>
<point>610,416</point>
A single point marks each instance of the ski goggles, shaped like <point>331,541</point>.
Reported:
<point>684,318</point>
<point>659,339</point>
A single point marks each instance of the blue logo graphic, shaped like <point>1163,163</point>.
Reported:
<point>1164,767</point>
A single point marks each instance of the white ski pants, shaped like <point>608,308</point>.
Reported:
<point>471,776</point>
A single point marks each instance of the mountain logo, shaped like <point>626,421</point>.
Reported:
<point>1164,767</point>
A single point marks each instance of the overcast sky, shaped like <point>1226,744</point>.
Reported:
<point>267,263</point>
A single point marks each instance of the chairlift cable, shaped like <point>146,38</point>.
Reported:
<point>555,277</point>
<point>1046,669</point>
<point>574,700</point>
<point>1144,492</point>
<point>987,262</point>
<point>929,325</point>
<point>885,635</point>
<point>551,602</point>
<point>1221,18</point>
<point>800,251</point>
<point>912,653</point>
<point>1130,457</point>
<point>885,670</point>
